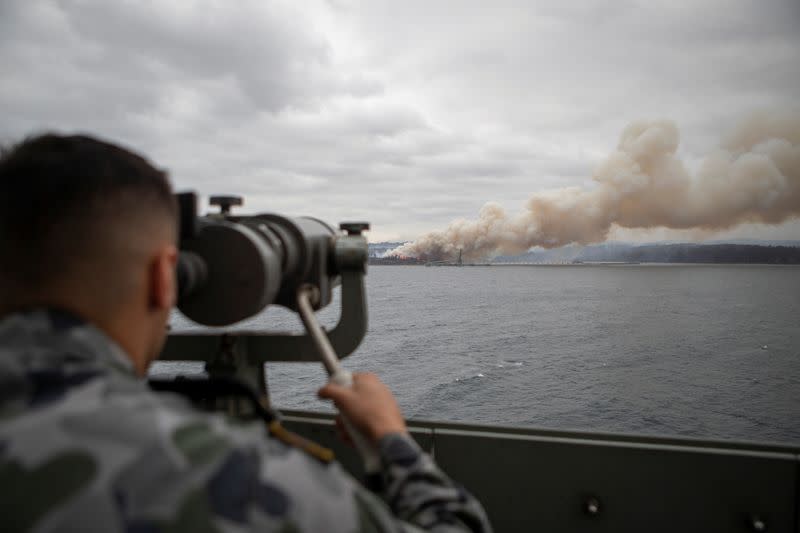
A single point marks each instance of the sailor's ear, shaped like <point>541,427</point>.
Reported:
<point>162,284</point>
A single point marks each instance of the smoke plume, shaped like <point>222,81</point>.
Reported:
<point>753,177</point>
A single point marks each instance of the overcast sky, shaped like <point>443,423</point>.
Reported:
<point>407,114</point>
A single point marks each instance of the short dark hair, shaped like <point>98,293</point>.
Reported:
<point>58,193</point>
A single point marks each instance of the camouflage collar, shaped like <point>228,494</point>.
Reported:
<point>51,338</point>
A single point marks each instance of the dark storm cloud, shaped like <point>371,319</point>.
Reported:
<point>405,113</point>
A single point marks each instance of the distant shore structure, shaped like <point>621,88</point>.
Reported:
<point>459,262</point>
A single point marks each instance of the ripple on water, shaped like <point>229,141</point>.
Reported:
<point>709,352</point>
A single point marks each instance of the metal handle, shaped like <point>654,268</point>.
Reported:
<point>337,374</point>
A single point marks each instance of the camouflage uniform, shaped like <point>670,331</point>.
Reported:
<point>86,446</point>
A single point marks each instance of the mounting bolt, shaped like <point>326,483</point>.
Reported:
<point>354,228</point>
<point>592,506</point>
<point>225,202</point>
<point>757,523</point>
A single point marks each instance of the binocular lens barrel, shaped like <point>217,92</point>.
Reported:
<point>233,267</point>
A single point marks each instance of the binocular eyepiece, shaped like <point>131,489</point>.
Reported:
<point>232,267</point>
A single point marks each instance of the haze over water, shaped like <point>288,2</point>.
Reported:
<point>699,350</point>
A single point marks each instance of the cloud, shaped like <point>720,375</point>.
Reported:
<point>405,113</point>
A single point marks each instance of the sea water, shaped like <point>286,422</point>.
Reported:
<point>698,350</point>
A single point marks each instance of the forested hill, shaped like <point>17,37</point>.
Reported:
<point>785,252</point>
<point>695,253</point>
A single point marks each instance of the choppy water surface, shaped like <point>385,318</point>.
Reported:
<point>711,351</point>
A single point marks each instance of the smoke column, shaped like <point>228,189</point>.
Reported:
<point>753,177</point>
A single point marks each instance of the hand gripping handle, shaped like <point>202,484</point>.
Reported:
<point>369,454</point>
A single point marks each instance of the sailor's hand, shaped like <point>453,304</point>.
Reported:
<point>369,405</point>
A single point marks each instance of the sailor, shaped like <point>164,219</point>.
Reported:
<point>87,257</point>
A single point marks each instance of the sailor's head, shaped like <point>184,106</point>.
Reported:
<point>89,227</point>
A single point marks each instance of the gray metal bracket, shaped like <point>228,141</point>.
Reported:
<point>258,347</point>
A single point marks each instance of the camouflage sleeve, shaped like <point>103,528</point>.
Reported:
<point>421,495</point>
<point>283,489</point>
<point>202,474</point>
<point>415,495</point>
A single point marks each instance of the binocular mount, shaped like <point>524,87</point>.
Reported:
<point>337,259</point>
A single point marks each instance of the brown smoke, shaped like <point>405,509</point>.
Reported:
<point>753,177</point>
